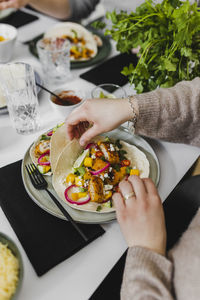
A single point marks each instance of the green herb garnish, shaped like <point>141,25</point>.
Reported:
<point>168,34</point>
<point>103,158</point>
<point>75,33</point>
<point>122,154</point>
<point>82,190</point>
<point>116,167</point>
<point>118,144</point>
<point>99,208</point>
<point>45,137</point>
<point>79,171</point>
<point>128,170</point>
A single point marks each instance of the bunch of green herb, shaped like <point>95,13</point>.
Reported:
<point>169,38</point>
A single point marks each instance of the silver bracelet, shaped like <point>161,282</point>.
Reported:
<point>133,121</point>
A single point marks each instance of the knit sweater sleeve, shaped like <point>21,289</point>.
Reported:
<point>147,276</point>
<point>171,114</point>
<point>81,9</point>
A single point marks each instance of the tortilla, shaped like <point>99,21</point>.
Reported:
<point>70,29</point>
<point>59,141</point>
<point>69,156</point>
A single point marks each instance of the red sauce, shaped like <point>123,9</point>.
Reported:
<point>67,98</point>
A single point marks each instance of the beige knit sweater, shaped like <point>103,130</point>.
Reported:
<point>171,114</point>
<point>174,115</point>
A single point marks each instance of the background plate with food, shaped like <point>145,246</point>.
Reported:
<point>42,199</point>
<point>88,47</point>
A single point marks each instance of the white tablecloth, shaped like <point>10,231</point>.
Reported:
<point>77,277</point>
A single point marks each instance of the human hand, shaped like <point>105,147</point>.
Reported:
<point>96,116</point>
<point>4,4</point>
<point>141,216</point>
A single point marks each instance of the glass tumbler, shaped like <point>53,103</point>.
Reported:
<point>18,84</point>
<point>54,56</point>
<point>108,90</point>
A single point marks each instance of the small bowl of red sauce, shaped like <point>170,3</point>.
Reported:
<point>68,100</point>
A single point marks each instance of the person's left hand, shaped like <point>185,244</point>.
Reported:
<point>4,4</point>
<point>140,214</point>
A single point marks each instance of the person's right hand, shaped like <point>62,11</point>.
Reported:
<point>141,216</point>
<point>96,116</point>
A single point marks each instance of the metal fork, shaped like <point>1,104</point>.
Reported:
<point>40,183</point>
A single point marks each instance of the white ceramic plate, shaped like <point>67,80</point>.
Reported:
<point>41,198</point>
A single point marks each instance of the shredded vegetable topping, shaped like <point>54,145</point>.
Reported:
<point>9,269</point>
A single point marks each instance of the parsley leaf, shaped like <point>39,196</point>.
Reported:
<point>99,208</point>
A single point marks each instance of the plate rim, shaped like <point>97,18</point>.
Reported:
<point>113,214</point>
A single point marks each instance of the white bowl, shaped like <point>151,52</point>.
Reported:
<point>6,47</point>
<point>63,110</point>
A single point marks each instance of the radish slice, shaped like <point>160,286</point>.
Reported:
<point>101,170</point>
<point>74,202</point>
<point>91,145</point>
<point>50,133</point>
<point>44,163</point>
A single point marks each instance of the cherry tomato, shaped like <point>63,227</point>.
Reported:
<point>125,163</point>
<point>116,189</point>
<point>99,154</point>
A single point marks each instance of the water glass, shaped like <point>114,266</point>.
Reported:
<point>54,56</point>
<point>18,84</point>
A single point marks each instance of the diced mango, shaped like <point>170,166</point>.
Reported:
<point>79,181</point>
<point>47,169</point>
<point>87,176</point>
<point>92,151</point>
<point>82,194</point>
<point>70,178</point>
<point>108,195</point>
<point>88,162</point>
<point>74,196</point>
<point>135,172</point>
<point>122,172</point>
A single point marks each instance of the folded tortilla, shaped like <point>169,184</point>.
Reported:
<point>69,155</point>
<point>59,141</point>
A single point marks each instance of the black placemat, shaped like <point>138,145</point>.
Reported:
<point>110,70</point>
<point>19,18</point>
<point>46,239</point>
<point>179,207</point>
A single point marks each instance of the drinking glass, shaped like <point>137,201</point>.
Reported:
<point>108,90</point>
<point>18,84</point>
<point>54,56</point>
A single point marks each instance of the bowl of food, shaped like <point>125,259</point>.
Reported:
<point>11,269</point>
<point>66,101</point>
<point>8,35</point>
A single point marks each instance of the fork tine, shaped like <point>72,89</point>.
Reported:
<point>38,174</point>
<point>30,175</point>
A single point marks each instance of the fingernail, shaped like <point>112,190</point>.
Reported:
<point>82,142</point>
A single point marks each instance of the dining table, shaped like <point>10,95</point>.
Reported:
<point>77,277</point>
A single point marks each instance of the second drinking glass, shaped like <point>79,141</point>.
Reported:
<point>54,56</point>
